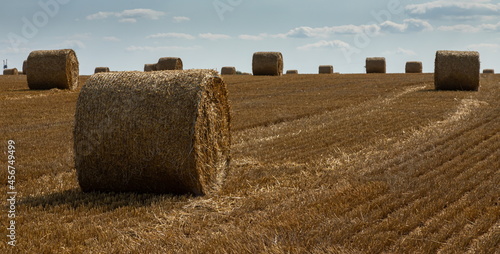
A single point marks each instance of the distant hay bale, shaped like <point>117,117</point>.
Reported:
<point>10,72</point>
<point>228,70</point>
<point>161,132</point>
<point>414,67</point>
<point>267,64</point>
<point>169,63</point>
<point>25,66</point>
<point>375,65</point>
<point>489,71</point>
<point>292,72</point>
<point>101,69</point>
<point>457,70</point>
<point>49,69</point>
<point>325,69</point>
<point>149,67</point>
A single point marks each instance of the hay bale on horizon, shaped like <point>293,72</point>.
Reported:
<point>161,132</point>
<point>47,69</point>
<point>101,69</point>
<point>169,63</point>
<point>267,64</point>
<point>228,70</point>
<point>375,65</point>
<point>414,67</point>
<point>25,66</point>
<point>149,67</point>
<point>12,71</point>
<point>325,69</point>
<point>488,71</point>
<point>292,72</point>
<point>457,70</point>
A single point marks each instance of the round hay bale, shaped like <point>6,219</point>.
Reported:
<point>228,70</point>
<point>267,64</point>
<point>49,69</point>
<point>489,71</point>
<point>325,69</point>
<point>161,132</point>
<point>292,72</point>
<point>375,65</point>
<point>169,63</point>
<point>414,67</point>
<point>13,71</point>
<point>149,67</point>
<point>25,66</point>
<point>101,69</point>
<point>457,70</point>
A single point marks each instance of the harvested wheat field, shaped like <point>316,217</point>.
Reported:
<point>319,164</point>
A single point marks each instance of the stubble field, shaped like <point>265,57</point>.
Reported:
<point>320,164</point>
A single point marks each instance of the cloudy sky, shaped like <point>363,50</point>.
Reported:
<point>126,34</point>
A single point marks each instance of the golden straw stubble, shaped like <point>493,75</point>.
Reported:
<point>162,132</point>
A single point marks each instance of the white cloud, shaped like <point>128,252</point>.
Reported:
<point>171,36</point>
<point>471,29</point>
<point>211,36</point>
<point>400,51</point>
<point>180,19</point>
<point>130,16</point>
<point>454,9</point>
<point>111,39</point>
<point>323,32</point>
<point>163,48</point>
<point>253,37</point>
<point>72,44</point>
<point>326,44</point>
<point>11,50</point>
<point>488,46</point>
<point>408,25</point>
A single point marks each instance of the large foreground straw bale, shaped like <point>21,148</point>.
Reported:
<point>101,69</point>
<point>162,132</point>
<point>457,70</point>
<point>414,67</point>
<point>292,72</point>
<point>149,67</point>
<point>10,72</point>
<point>375,65</point>
<point>267,64</point>
<point>325,69</point>
<point>169,63</point>
<point>228,70</point>
<point>49,69</point>
<point>489,71</point>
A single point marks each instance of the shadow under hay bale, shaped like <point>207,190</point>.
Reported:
<point>375,65</point>
<point>228,70</point>
<point>13,71</point>
<point>149,67</point>
<point>414,67</point>
<point>169,63</point>
<point>161,132</point>
<point>48,69</point>
<point>325,69</point>
<point>267,64</point>
<point>457,70</point>
<point>101,69</point>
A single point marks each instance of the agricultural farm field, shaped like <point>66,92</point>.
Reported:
<point>319,164</point>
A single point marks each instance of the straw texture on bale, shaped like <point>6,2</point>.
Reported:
<point>267,64</point>
<point>101,69</point>
<point>169,63</point>
<point>161,132</point>
<point>228,70</point>
<point>292,72</point>
<point>10,72</point>
<point>149,67</point>
<point>325,69</point>
<point>489,71</point>
<point>49,69</point>
<point>414,67</point>
<point>25,66</point>
<point>457,70</point>
<point>375,65</point>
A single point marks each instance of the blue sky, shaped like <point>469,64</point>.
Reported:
<point>126,34</point>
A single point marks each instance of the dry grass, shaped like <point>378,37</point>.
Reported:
<point>162,132</point>
<point>47,69</point>
<point>457,70</point>
<point>320,164</point>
